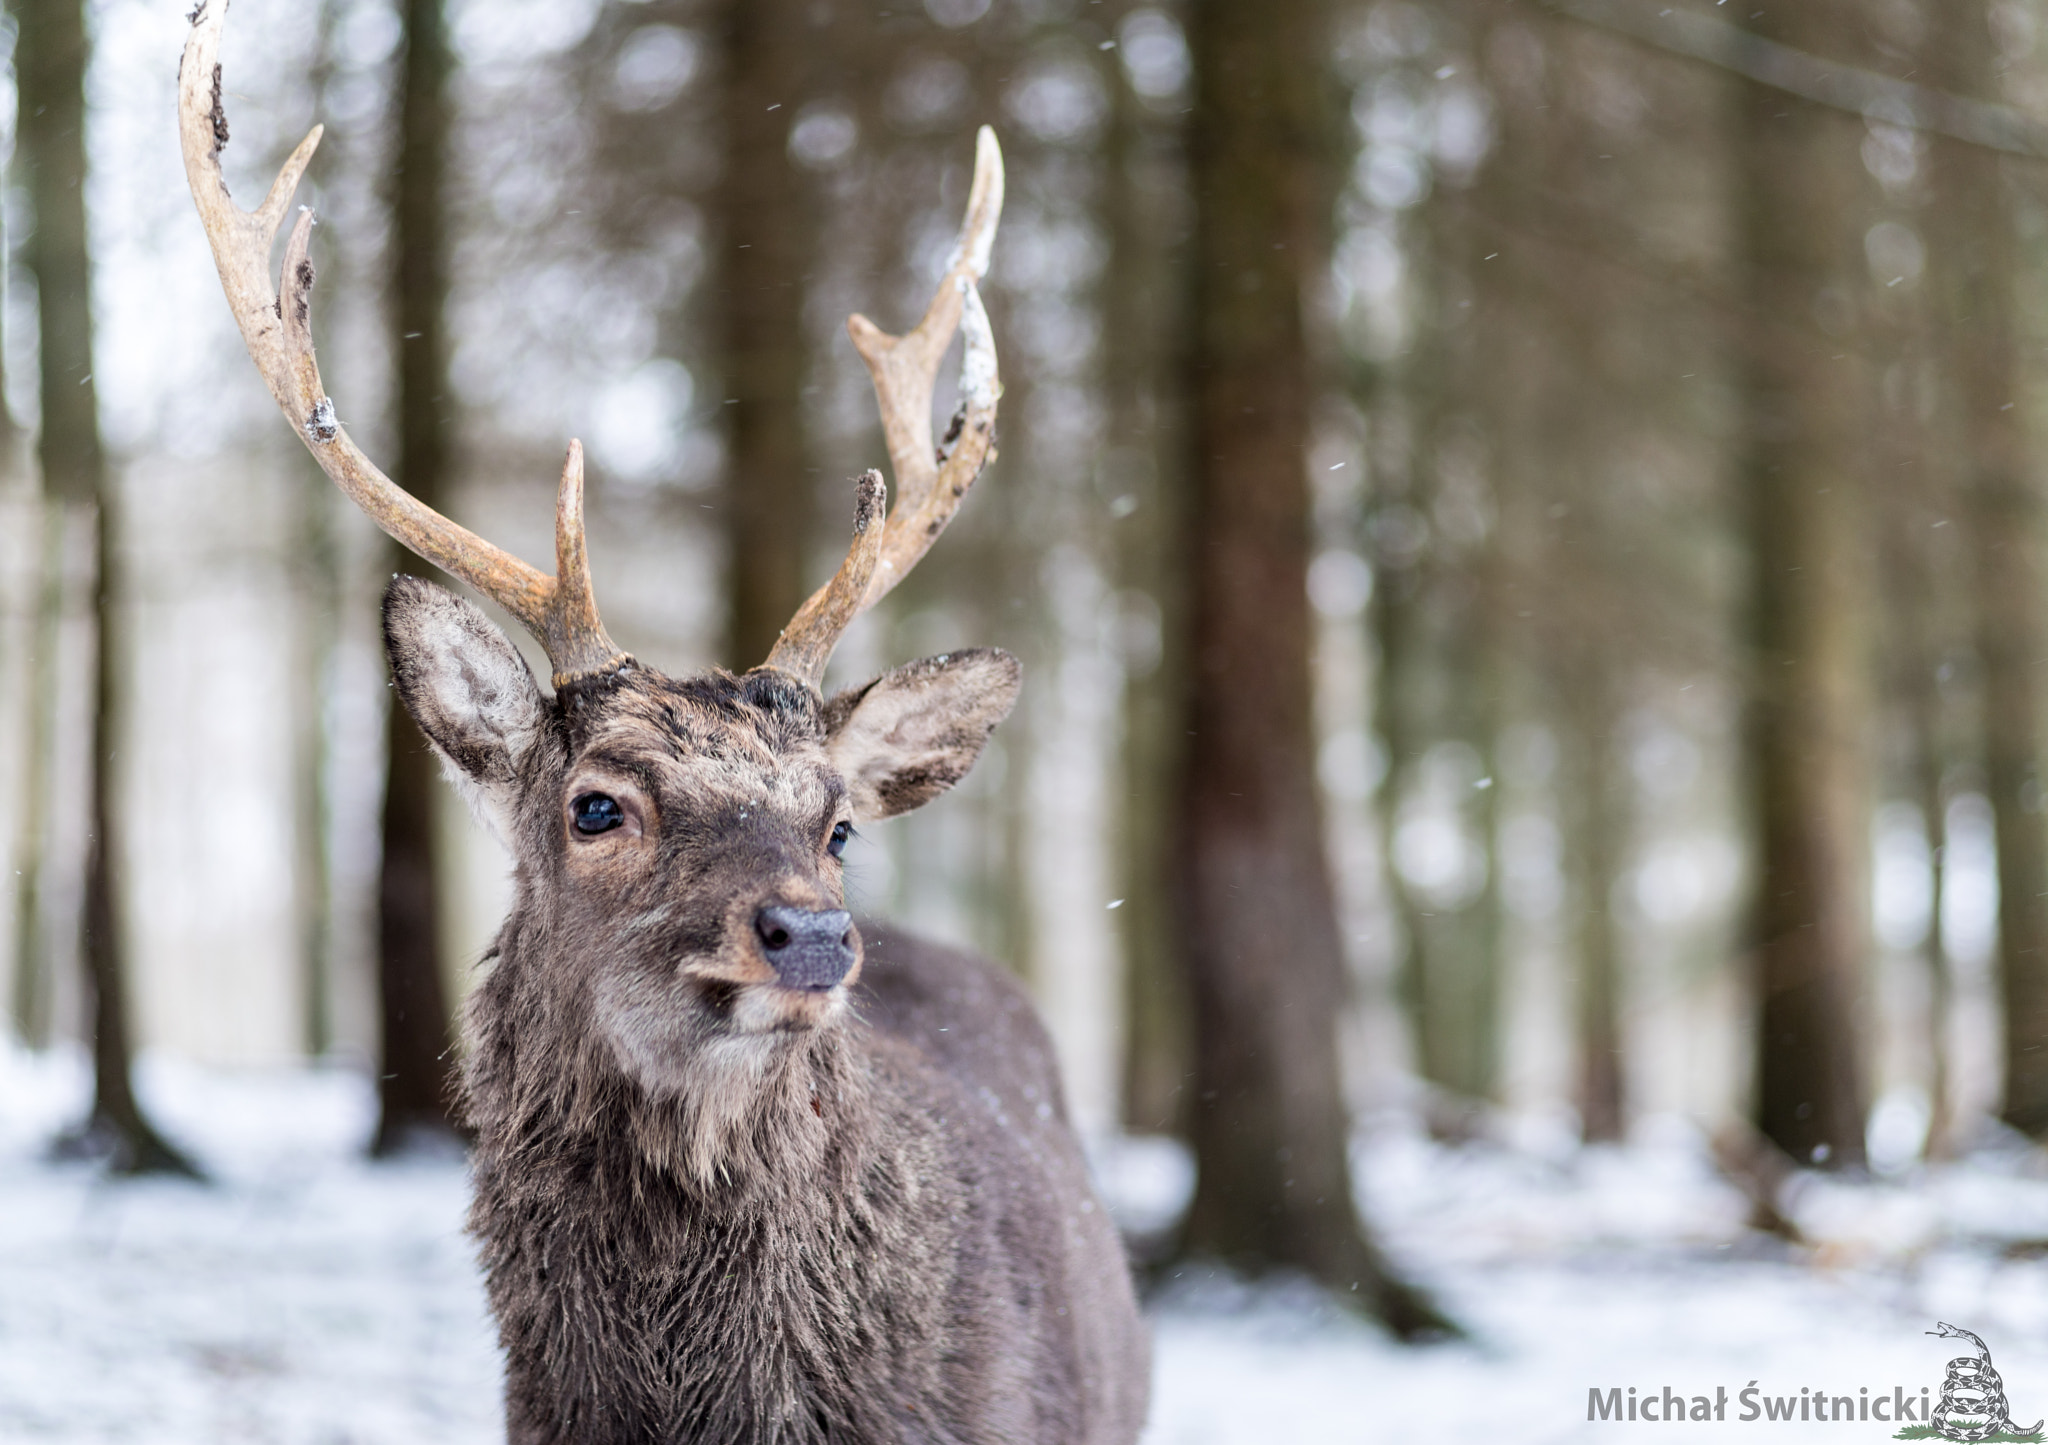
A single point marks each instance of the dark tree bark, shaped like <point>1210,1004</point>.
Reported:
<point>416,1079</point>
<point>51,55</point>
<point>764,251</point>
<point>1264,963</point>
<point>1803,204</point>
<point>1975,264</point>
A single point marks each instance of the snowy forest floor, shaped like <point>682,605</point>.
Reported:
<point>308,1296</point>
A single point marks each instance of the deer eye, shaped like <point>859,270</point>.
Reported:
<point>597,812</point>
<point>840,833</point>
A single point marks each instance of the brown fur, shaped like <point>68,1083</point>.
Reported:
<point>712,1208</point>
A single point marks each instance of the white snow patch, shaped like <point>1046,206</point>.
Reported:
<point>307,1295</point>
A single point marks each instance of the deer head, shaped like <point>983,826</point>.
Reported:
<point>677,840</point>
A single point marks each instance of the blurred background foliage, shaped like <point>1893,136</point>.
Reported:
<point>1654,441</point>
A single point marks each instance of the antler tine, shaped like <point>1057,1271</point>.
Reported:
<point>576,643</point>
<point>805,646</point>
<point>929,483</point>
<point>276,325</point>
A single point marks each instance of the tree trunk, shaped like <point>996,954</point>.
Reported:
<point>28,1000</point>
<point>1443,665</point>
<point>1264,962</point>
<point>117,1128</point>
<point>1923,585</point>
<point>1439,666</point>
<point>1440,676</point>
<point>1975,263</point>
<point>51,56</point>
<point>315,600</point>
<point>415,1083</point>
<point>32,962</point>
<point>764,255</point>
<point>1804,399</point>
<point>1933,799</point>
<point>1594,802</point>
<point>1142,324</point>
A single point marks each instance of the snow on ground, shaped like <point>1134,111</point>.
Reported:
<point>304,1296</point>
<point>308,1298</point>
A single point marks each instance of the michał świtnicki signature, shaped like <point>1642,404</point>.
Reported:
<point>1971,1406</point>
<point>1754,1403</point>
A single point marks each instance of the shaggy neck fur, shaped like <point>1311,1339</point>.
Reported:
<point>699,1267</point>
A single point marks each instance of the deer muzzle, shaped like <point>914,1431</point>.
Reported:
<point>808,949</point>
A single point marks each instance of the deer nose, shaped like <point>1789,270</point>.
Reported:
<point>806,949</point>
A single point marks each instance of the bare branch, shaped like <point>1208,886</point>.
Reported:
<point>1842,87</point>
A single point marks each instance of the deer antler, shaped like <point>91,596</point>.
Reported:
<point>276,325</point>
<point>929,482</point>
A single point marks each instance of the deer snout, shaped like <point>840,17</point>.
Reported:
<point>807,949</point>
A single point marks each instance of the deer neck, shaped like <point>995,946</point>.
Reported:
<point>814,1224</point>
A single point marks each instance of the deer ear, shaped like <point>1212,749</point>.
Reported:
<point>909,735</point>
<point>466,685</point>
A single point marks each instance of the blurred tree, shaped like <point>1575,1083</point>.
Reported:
<point>1549,316</point>
<point>1440,705</point>
<point>415,1081</point>
<point>1803,204</point>
<point>1142,333</point>
<point>1594,802</point>
<point>316,579</point>
<point>1442,668</point>
<point>1257,920</point>
<point>52,53</point>
<point>29,994</point>
<point>1975,265</point>
<point>1925,580</point>
<point>1926,670</point>
<point>1440,701</point>
<point>1582,253</point>
<point>765,227</point>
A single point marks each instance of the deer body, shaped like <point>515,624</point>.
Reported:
<point>741,1175</point>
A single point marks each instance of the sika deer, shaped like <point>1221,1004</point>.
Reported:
<point>743,1171</point>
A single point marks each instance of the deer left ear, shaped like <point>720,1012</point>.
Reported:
<point>467,687</point>
<point>909,735</point>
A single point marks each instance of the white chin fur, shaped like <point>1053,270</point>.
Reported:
<point>766,1009</point>
<point>725,1083</point>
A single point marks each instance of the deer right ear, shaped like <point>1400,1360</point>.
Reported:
<point>465,684</point>
<point>909,735</point>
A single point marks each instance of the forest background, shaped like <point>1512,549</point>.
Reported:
<point>1522,521</point>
